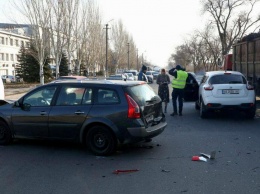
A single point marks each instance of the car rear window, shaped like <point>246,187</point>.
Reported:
<point>227,79</point>
<point>142,93</point>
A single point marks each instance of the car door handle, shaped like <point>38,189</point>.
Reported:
<point>43,113</point>
<point>79,112</point>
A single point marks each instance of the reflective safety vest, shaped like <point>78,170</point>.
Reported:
<point>180,81</point>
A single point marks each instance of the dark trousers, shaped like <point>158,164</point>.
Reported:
<point>177,93</point>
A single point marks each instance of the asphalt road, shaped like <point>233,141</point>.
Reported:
<point>163,165</point>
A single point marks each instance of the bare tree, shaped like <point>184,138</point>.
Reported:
<point>231,24</point>
<point>119,42</point>
<point>38,15</point>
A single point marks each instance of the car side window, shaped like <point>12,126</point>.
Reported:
<point>107,96</point>
<point>87,98</point>
<point>70,96</point>
<point>41,97</point>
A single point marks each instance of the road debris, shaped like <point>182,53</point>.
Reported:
<point>165,170</point>
<point>199,158</point>
<point>125,171</point>
<point>211,156</point>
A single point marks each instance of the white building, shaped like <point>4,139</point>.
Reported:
<point>10,45</point>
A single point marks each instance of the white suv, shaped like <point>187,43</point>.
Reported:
<point>225,90</point>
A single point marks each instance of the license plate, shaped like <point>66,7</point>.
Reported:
<point>230,91</point>
<point>149,118</point>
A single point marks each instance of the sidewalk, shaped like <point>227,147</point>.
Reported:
<point>16,93</point>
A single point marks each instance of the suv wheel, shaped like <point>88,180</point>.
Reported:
<point>203,111</point>
<point>5,134</point>
<point>250,114</point>
<point>101,141</point>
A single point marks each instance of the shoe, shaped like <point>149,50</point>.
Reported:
<point>180,114</point>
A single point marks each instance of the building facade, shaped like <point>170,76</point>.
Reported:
<point>10,45</point>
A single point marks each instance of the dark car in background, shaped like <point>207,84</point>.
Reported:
<point>191,90</point>
<point>155,74</point>
<point>98,113</point>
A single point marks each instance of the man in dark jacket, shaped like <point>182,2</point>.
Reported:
<point>178,85</point>
<point>141,75</point>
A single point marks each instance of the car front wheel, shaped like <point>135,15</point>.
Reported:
<point>5,134</point>
<point>203,111</point>
<point>101,141</point>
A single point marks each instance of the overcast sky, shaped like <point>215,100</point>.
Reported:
<point>157,26</point>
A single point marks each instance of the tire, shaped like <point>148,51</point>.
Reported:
<point>5,134</point>
<point>203,111</point>
<point>197,107</point>
<point>101,141</point>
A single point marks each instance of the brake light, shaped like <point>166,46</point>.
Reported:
<point>133,108</point>
<point>208,87</point>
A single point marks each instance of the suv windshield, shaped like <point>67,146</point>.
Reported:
<point>142,93</point>
<point>227,79</point>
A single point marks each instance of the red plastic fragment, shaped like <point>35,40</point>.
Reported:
<point>125,171</point>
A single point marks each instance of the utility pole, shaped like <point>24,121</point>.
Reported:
<point>106,72</point>
<point>128,55</point>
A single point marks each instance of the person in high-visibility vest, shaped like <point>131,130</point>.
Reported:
<point>178,85</point>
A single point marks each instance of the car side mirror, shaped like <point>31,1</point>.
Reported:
<point>26,106</point>
<point>17,104</point>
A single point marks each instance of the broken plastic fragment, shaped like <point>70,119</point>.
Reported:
<point>198,158</point>
<point>211,156</point>
<point>125,171</point>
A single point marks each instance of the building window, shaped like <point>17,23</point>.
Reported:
<point>7,57</point>
<point>22,43</point>
<point>11,42</point>
<point>17,57</point>
<point>6,41</point>
<point>1,56</point>
<point>13,65</point>
<point>16,43</point>
<point>2,40</point>
<point>27,44</point>
<point>12,57</point>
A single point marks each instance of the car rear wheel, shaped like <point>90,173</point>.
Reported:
<point>101,141</point>
<point>203,111</point>
<point>5,134</point>
<point>250,114</point>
